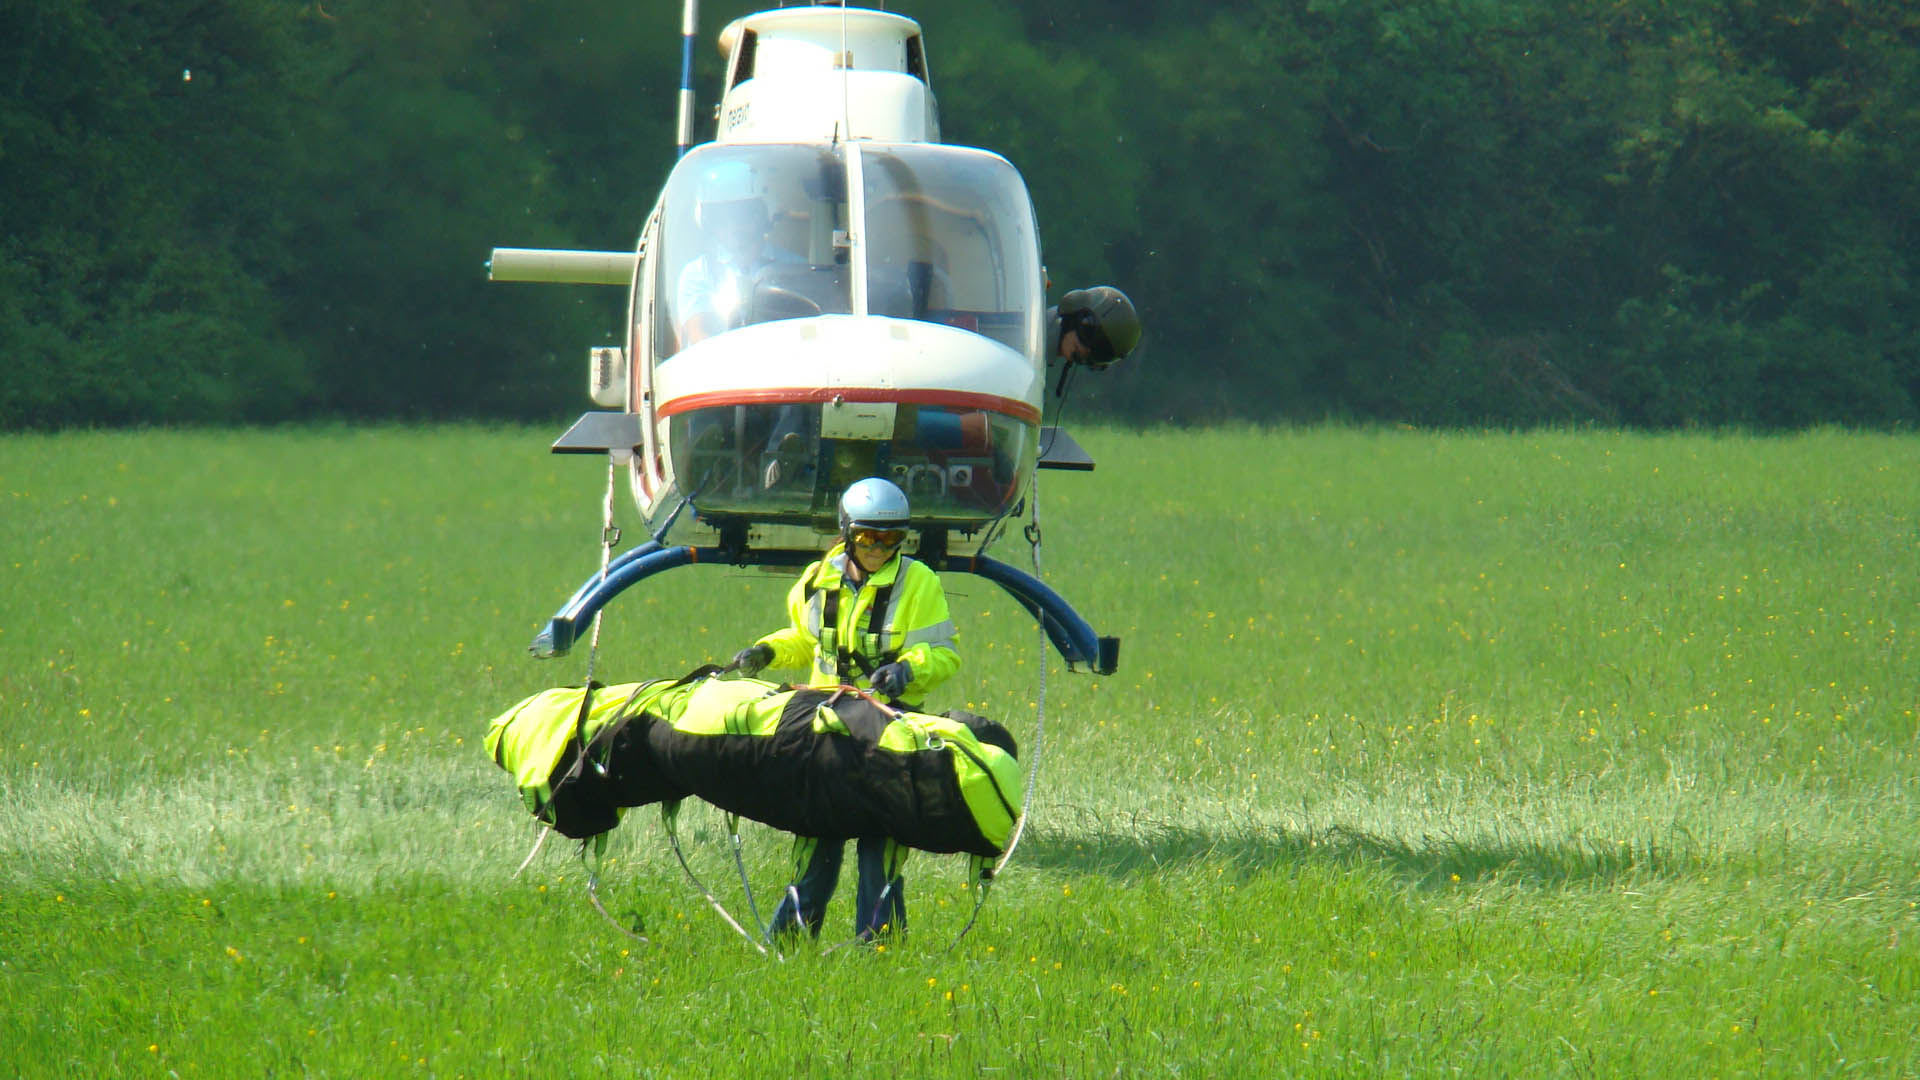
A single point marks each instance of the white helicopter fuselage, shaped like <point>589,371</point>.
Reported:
<point>825,292</point>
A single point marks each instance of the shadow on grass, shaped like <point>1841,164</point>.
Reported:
<point>1081,841</point>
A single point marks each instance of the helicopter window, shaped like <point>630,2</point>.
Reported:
<point>743,60</point>
<point>761,460</point>
<point>916,58</point>
<point>950,239</point>
<point>781,462</point>
<point>749,233</point>
<point>959,465</point>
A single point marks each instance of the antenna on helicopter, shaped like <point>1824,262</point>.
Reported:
<point>844,63</point>
<point>689,24</point>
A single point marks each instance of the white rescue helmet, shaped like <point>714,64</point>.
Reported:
<point>873,503</point>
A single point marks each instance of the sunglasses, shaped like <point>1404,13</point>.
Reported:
<point>880,538</point>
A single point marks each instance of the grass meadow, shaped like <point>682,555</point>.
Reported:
<point>1491,754</point>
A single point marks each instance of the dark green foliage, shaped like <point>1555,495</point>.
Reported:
<point>1653,213</point>
<point>134,284</point>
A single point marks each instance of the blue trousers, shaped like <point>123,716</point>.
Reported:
<point>817,865</point>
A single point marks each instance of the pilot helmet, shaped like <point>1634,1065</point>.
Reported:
<point>1106,321</point>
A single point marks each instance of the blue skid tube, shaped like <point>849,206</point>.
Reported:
<point>1070,634</point>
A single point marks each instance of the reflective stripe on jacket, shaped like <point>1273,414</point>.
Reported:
<point>914,625</point>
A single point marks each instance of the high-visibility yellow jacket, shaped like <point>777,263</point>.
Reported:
<point>898,613</point>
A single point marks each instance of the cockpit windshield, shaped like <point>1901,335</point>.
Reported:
<point>755,233</point>
<point>749,234</point>
<point>950,238</point>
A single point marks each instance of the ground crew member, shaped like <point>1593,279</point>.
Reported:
<point>867,616</point>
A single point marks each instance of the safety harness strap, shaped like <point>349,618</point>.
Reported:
<point>580,718</point>
<point>847,659</point>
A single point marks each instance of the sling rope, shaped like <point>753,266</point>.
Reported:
<point>739,863</point>
<point>1040,703</point>
<point>538,842</point>
<point>668,812</point>
<point>983,881</point>
<point>609,536</point>
<point>599,846</point>
<point>986,875</point>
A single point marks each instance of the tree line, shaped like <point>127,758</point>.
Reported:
<point>1648,213</point>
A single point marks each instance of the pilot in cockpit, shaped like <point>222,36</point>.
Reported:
<point>715,290</point>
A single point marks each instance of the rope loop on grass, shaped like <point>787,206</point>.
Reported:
<point>597,846</point>
<point>669,811</point>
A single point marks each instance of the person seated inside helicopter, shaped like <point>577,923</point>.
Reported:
<point>1095,326</point>
<point>715,291</point>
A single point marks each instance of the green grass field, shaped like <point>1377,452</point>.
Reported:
<point>1561,754</point>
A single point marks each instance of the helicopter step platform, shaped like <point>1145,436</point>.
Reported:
<point>600,432</point>
<point>1059,450</point>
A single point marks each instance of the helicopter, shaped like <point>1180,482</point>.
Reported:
<point>823,293</point>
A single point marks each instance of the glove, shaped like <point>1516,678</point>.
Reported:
<point>890,680</point>
<point>750,660</point>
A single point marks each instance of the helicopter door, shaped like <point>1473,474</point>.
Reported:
<point>650,475</point>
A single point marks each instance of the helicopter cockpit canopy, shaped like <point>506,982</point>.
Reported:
<point>757,233</point>
<point>825,312</point>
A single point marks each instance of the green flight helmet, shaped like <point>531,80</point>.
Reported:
<point>1110,324</point>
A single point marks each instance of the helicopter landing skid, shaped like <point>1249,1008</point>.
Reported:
<point>1070,634</point>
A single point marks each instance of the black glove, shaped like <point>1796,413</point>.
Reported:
<point>750,660</point>
<point>890,680</point>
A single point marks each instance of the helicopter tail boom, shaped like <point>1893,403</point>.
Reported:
<point>561,267</point>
